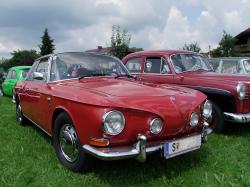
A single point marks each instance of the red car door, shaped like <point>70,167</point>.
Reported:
<point>38,95</point>
<point>156,69</point>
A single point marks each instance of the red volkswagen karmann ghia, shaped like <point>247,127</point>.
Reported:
<point>91,105</point>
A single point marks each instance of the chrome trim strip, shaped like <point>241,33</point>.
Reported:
<point>38,126</point>
<point>238,118</point>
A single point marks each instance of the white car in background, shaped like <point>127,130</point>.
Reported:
<point>231,65</point>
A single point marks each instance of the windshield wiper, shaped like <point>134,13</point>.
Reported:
<point>93,75</point>
<point>126,75</point>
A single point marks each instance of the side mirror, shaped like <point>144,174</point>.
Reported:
<point>38,76</point>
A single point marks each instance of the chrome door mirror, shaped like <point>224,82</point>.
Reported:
<point>38,76</point>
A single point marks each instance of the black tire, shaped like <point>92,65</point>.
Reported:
<point>21,120</point>
<point>218,124</point>
<point>64,132</point>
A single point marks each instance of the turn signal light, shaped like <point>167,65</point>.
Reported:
<point>99,142</point>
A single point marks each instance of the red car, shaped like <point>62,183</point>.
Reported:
<point>91,105</point>
<point>229,93</point>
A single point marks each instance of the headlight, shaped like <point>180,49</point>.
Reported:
<point>207,109</point>
<point>194,119</point>
<point>113,122</point>
<point>241,91</point>
<point>156,126</point>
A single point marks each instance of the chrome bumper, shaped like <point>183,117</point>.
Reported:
<point>138,151</point>
<point>238,118</point>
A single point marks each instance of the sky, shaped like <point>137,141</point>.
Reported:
<point>79,25</point>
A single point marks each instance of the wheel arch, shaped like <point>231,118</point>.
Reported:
<point>56,112</point>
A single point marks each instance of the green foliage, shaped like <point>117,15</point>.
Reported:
<point>47,46</point>
<point>120,41</point>
<point>192,47</point>
<point>136,49</point>
<point>226,46</point>
<point>20,58</point>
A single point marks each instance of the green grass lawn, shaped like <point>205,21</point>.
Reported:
<point>27,158</point>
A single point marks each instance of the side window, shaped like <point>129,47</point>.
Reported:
<point>230,66</point>
<point>32,70</point>
<point>13,75</point>
<point>134,65</point>
<point>43,68</point>
<point>156,65</point>
<point>9,75</point>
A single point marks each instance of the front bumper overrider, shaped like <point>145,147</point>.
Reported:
<point>140,149</point>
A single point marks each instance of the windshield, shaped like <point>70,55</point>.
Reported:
<point>246,64</point>
<point>189,62</point>
<point>79,65</point>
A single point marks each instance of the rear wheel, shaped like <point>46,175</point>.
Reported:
<point>21,120</point>
<point>67,145</point>
<point>217,123</point>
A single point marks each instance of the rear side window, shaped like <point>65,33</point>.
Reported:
<point>230,66</point>
<point>156,65</point>
<point>134,65</point>
<point>13,75</point>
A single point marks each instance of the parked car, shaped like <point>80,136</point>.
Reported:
<point>231,65</point>
<point>14,75</point>
<point>91,105</point>
<point>228,93</point>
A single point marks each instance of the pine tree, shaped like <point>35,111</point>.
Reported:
<point>47,46</point>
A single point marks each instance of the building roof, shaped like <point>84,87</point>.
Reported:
<point>245,32</point>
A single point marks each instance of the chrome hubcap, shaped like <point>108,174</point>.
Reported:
<point>68,142</point>
<point>19,114</point>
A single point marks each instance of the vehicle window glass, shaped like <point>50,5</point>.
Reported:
<point>32,70</point>
<point>153,65</point>
<point>164,67</point>
<point>190,62</point>
<point>156,65</point>
<point>76,65</point>
<point>13,75</point>
<point>9,75</point>
<point>134,65</point>
<point>230,66</point>
<point>24,73</point>
<point>215,63</point>
<point>246,64</point>
<point>43,68</point>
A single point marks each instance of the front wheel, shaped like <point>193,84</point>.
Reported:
<point>67,145</point>
<point>217,123</point>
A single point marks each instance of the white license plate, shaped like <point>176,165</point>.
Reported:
<point>181,146</point>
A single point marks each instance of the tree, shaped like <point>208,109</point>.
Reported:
<point>20,58</point>
<point>47,46</point>
<point>119,42</point>
<point>192,47</point>
<point>226,46</point>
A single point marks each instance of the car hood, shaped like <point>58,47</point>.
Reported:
<point>169,102</point>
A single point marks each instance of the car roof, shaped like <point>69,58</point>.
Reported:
<point>159,52</point>
<point>20,67</point>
